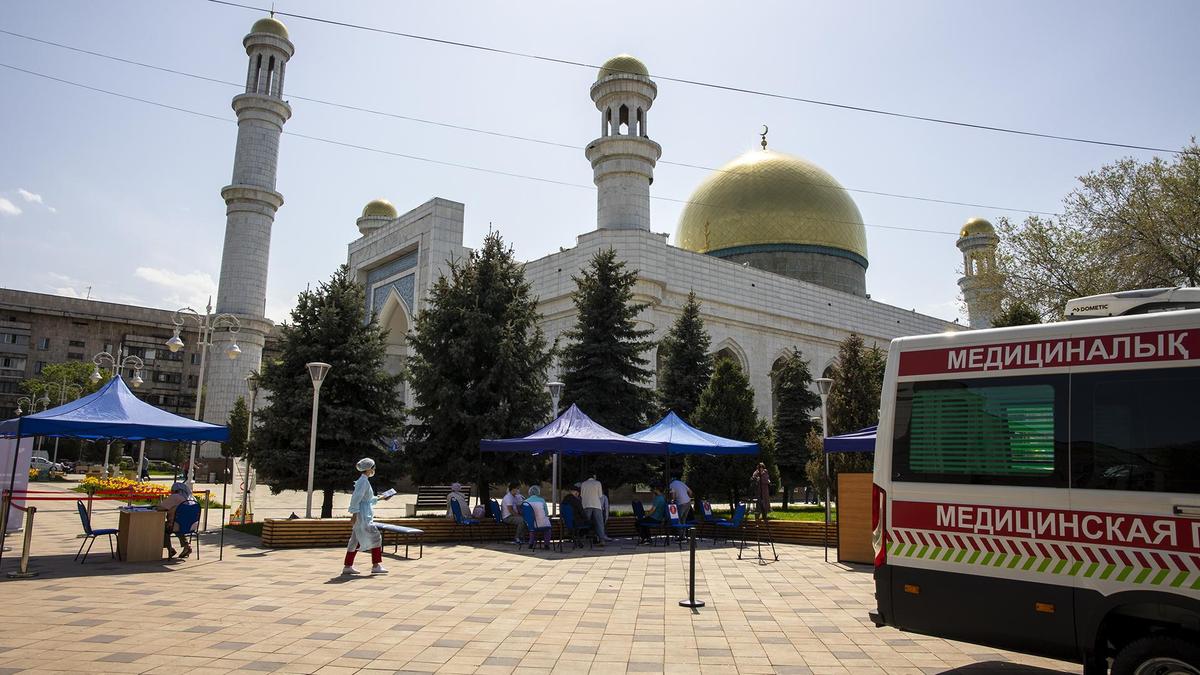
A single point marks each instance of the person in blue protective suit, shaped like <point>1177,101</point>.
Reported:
<point>363,533</point>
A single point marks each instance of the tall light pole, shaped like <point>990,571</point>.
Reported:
<point>824,384</point>
<point>118,364</point>
<point>44,401</point>
<point>555,394</point>
<point>208,324</point>
<point>317,371</point>
<point>63,387</point>
<point>252,385</point>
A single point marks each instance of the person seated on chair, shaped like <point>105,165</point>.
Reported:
<point>510,511</point>
<point>180,494</point>
<point>541,515</point>
<point>656,511</point>
<point>456,495</point>
<point>576,503</point>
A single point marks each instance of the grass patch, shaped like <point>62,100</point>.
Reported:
<point>248,528</point>
<point>812,513</point>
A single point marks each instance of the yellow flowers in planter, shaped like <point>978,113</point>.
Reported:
<point>145,488</point>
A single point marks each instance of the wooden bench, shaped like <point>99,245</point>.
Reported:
<point>398,532</point>
<point>433,497</point>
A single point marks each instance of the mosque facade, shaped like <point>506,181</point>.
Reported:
<point>772,245</point>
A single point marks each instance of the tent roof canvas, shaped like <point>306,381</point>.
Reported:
<point>862,440</point>
<point>683,439</point>
<point>574,433</point>
<point>113,412</point>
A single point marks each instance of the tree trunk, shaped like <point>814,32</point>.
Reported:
<point>481,486</point>
<point>787,492</point>
<point>326,503</point>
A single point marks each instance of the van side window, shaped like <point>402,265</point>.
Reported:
<point>997,431</point>
<point>1136,430</point>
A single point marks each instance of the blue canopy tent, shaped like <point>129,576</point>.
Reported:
<point>112,413</point>
<point>573,433</point>
<point>862,440</point>
<point>683,439</point>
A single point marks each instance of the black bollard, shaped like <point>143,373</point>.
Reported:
<point>692,601</point>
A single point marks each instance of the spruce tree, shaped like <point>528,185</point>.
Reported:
<point>239,427</point>
<point>477,369</point>
<point>795,403</point>
<point>359,399</point>
<point>687,365</point>
<point>604,370</point>
<point>727,409</point>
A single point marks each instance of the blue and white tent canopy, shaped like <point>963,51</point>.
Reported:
<point>109,414</point>
<point>684,439</point>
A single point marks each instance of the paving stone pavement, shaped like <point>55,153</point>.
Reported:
<point>460,609</point>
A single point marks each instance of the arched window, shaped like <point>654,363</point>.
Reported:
<point>270,77</point>
<point>641,122</point>
<point>623,120</point>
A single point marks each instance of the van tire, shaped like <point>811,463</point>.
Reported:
<point>1137,654</point>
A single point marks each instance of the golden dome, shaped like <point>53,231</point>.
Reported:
<point>379,207</point>
<point>977,226</point>
<point>270,24</point>
<point>767,199</point>
<point>622,64</point>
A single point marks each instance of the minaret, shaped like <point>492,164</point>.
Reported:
<point>623,156</point>
<point>250,205</point>
<point>980,284</point>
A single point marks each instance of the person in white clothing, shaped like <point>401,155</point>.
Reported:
<point>456,495</point>
<point>591,492</point>
<point>682,494</point>
<point>363,533</point>
<point>510,511</point>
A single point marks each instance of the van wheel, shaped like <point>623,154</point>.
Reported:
<point>1158,655</point>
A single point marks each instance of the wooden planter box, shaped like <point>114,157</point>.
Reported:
<point>329,532</point>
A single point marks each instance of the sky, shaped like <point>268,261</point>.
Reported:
<point>119,200</point>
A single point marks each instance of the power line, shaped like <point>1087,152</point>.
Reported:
<point>701,83</point>
<point>418,158</point>
<point>490,132</point>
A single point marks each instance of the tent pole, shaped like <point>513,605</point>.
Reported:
<point>827,493</point>
<point>142,458</point>
<point>107,448</point>
<point>554,481</point>
<point>12,481</point>
<point>224,487</point>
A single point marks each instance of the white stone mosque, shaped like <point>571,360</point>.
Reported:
<point>773,246</point>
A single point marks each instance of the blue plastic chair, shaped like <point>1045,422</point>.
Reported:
<point>462,521</point>
<point>187,522</point>
<point>674,524</point>
<point>652,524</point>
<point>90,535</point>
<point>498,517</point>
<point>730,525</point>
<point>576,530</point>
<point>531,524</point>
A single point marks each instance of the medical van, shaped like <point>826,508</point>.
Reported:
<point>1037,488</point>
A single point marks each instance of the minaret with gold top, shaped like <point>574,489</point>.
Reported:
<point>623,157</point>
<point>250,205</point>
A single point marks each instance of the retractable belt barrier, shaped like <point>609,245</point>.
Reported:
<point>30,512</point>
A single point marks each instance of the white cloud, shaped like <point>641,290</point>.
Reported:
<point>30,196</point>
<point>7,208</point>
<point>192,289</point>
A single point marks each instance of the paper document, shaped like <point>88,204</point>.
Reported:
<point>387,494</point>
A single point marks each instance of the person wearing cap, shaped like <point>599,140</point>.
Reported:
<point>363,533</point>
<point>456,495</point>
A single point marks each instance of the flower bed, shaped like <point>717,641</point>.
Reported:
<point>136,492</point>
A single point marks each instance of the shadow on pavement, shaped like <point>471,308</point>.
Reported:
<point>999,668</point>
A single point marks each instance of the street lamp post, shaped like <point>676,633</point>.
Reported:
<point>63,387</point>
<point>118,364</point>
<point>317,371</point>
<point>252,385</point>
<point>824,384</point>
<point>555,394</point>
<point>208,323</point>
